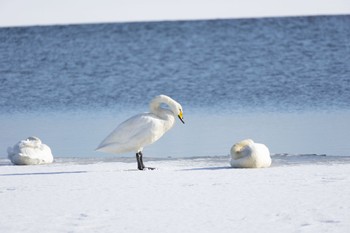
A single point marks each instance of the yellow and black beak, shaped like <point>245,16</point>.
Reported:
<point>181,117</point>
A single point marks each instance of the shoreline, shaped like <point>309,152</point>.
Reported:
<point>278,160</point>
<point>77,135</point>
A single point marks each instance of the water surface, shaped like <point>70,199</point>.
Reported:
<point>281,81</point>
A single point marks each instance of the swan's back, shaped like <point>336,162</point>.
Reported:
<point>263,158</point>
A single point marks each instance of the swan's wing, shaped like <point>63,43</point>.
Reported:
<point>264,157</point>
<point>132,131</point>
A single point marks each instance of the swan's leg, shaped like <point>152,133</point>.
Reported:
<point>144,167</point>
<point>141,160</point>
<point>140,165</point>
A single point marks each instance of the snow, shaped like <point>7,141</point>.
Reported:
<point>42,12</point>
<point>182,195</point>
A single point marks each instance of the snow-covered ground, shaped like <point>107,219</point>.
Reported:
<point>183,195</point>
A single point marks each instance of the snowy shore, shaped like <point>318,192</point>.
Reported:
<point>296,194</point>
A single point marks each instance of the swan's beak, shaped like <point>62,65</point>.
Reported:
<point>181,117</point>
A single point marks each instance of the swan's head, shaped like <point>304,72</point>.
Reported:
<point>179,113</point>
<point>242,148</point>
<point>174,106</point>
<point>31,142</point>
<point>34,139</point>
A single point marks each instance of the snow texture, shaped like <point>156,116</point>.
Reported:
<point>184,195</point>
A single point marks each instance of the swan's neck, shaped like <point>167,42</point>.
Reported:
<point>155,107</point>
<point>167,115</point>
<point>248,151</point>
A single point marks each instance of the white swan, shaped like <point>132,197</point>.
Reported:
<point>248,154</point>
<point>143,129</point>
<point>30,152</point>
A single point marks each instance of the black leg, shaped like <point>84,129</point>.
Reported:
<point>140,165</point>
<point>141,159</point>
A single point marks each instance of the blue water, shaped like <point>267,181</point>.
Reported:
<point>279,63</point>
<point>281,81</point>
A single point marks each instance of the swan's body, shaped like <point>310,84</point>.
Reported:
<point>248,154</point>
<point>143,129</point>
<point>30,152</point>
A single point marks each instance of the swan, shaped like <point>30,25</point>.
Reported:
<point>143,129</point>
<point>30,151</point>
<point>248,154</point>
